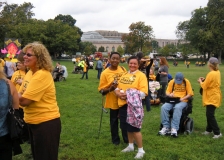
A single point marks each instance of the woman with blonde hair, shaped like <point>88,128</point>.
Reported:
<point>163,75</point>
<point>211,96</point>
<point>38,97</point>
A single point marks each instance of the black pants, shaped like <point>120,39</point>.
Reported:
<point>211,121</point>
<point>123,123</point>
<point>5,148</point>
<point>45,139</point>
<point>114,126</point>
<point>163,88</point>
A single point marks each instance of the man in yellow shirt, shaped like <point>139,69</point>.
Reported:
<point>108,82</point>
<point>180,88</point>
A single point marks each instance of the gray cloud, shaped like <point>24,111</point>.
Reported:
<point>162,15</point>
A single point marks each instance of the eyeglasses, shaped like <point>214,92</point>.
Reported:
<point>28,54</point>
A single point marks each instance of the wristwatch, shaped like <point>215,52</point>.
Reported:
<point>101,91</point>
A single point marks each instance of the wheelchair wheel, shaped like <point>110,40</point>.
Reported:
<point>61,79</point>
<point>189,126</point>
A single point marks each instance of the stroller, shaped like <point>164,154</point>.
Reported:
<point>154,88</point>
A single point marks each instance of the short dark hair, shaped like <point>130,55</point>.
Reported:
<point>112,53</point>
<point>134,57</point>
<point>140,55</point>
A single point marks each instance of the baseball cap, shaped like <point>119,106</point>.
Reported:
<point>213,60</point>
<point>179,78</point>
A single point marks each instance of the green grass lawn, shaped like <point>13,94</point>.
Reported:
<point>80,108</point>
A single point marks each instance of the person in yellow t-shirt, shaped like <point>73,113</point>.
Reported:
<point>86,68</point>
<point>38,97</point>
<point>107,84</point>
<point>2,63</point>
<point>181,88</point>
<point>136,80</point>
<point>212,96</point>
<point>188,64</point>
<point>17,77</point>
<point>152,76</point>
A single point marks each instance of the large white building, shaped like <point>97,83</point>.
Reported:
<point>110,40</point>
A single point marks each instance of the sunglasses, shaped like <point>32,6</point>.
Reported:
<point>28,54</point>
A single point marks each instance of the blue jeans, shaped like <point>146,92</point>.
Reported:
<point>99,72</point>
<point>177,112</point>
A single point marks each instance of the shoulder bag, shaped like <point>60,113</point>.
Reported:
<point>14,121</point>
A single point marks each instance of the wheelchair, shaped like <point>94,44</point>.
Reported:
<point>62,75</point>
<point>186,123</point>
<point>78,70</point>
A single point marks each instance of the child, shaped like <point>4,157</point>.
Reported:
<point>152,76</point>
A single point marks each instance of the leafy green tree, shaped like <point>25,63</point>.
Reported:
<point>195,31</point>
<point>130,46</point>
<point>101,49</point>
<point>67,19</point>
<point>164,51</point>
<point>138,36</point>
<point>87,47</point>
<point>215,16</point>
<point>12,15</point>
<point>61,37</point>
<point>120,50</point>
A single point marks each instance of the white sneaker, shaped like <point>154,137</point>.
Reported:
<point>139,155</point>
<point>173,132</point>
<point>127,149</point>
<point>164,131</point>
<point>217,136</point>
<point>206,133</point>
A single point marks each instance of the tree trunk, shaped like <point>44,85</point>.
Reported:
<point>220,56</point>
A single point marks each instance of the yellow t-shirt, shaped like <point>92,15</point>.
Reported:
<point>152,77</point>
<point>85,67</point>
<point>212,94</point>
<point>136,80</point>
<point>19,74</point>
<point>40,88</point>
<point>107,77</point>
<point>180,90</point>
<point>2,64</point>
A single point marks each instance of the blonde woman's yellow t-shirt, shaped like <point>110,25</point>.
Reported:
<point>40,88</point>
<point>136,80</point>
<point>107,77</point>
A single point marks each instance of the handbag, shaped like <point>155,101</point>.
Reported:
<point>14,121</point>
<point>96,68</point>
<point>158,77</point>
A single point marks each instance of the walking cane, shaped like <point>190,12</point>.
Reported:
<point>103,110</point>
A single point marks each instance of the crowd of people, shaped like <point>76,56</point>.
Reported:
<point>126,90</point>
<point>33,90</point>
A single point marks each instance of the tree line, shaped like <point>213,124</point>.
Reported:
<point>59,35</point>
<point>203,33</point>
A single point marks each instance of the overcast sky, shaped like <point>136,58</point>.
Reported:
<point>118,15</point>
